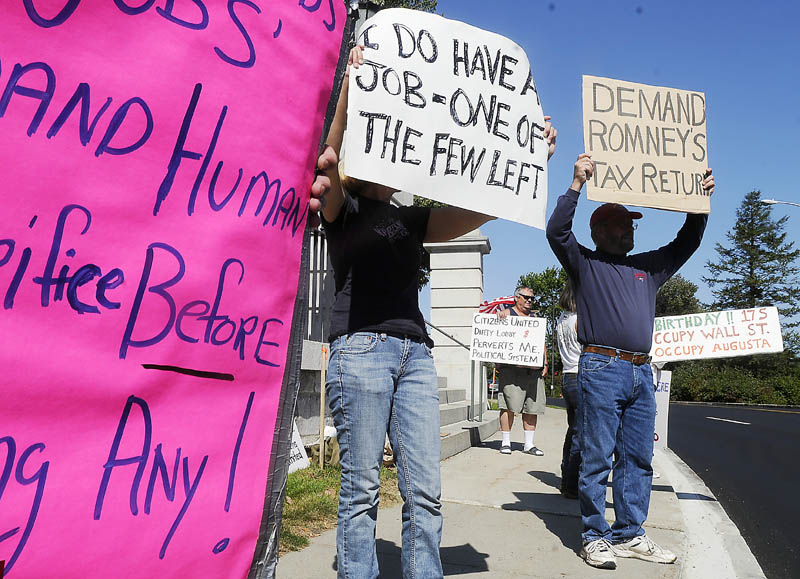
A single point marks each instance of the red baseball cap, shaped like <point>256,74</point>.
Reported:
<point>611,212</point>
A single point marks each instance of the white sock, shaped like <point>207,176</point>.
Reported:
<point>529,439</point>
<point>506,438</point>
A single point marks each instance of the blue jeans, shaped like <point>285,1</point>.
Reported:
<point>571,453</point>
<point>378,383</point>
<point>617,418</point>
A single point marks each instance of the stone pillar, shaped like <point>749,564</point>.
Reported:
<point>456,292</point>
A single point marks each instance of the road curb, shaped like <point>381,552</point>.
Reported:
<point>713,547</point>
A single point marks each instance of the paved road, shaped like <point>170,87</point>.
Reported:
<point>752,466</point>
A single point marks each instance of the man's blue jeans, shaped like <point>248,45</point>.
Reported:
<point>617,409</point>
<point>378,383</point>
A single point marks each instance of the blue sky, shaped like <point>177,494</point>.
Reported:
<point>742,55</point>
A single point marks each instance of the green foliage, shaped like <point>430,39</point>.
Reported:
<point>312,500</point>
<point>759,267</point>
<point>546,287</point>
<point>425,202</point>
<point>767,379</point>
<point>424,275</point>
<point>423,5</point>
<point>425,257</point>
<point>677,297</point>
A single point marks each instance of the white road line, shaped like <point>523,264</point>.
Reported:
<point>726,420</point>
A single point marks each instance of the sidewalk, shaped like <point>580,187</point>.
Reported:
<point>505,518</point>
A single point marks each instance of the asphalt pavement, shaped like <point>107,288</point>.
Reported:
<point>748,458</point>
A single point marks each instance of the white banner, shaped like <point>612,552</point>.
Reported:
<point>717,335</point>
<point>513,340</point>
<point>663,380</point>
<point>449,112</point>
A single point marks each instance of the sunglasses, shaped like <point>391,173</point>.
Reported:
<point>526,298</point>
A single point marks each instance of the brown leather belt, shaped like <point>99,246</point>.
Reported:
<point>637,359</point>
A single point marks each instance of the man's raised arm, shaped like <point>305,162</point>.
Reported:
<point>679,250</point>
<point>559,227</point>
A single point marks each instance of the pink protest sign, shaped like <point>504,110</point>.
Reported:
<point>156,161</point>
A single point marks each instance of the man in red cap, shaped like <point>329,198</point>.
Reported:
<point>615,295</point>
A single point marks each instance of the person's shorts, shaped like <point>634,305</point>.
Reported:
<point>521,390</point>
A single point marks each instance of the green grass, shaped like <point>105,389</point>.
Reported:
<point>312,499</point>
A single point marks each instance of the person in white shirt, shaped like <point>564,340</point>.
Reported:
<point>570,349</point>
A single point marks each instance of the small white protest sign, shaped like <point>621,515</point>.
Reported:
<point>298,459</point>
<point>648,144</point>
<point>449,112</point>
<point>717,335</point>
<point>512,340</point>
<point>663,380</point>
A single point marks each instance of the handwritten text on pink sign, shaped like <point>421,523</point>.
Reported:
<point>156,161</point>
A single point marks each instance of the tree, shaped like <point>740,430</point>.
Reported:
<point>425,257</point>
<point>759,268</point>
<point>546,287</point>
<point>676,297</point>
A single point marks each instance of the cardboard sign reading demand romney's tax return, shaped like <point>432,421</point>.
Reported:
<point>157,159</point>
<point>649,144</point>
<point>449,112</point>
<point>717,335</point>
<point>513,340</point>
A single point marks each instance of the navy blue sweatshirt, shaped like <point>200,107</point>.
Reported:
<point>616,295</point>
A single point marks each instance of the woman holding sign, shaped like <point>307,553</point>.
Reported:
<point>381,376</point>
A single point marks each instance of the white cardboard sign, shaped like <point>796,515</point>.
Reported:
<point>649,144</point>
<point>717,335</point>
<point>298,459</point>
<point>512,340</point>
<point>449,112</point>
<point>663,380</point>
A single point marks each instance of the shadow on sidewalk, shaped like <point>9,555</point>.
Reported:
<point>560,516</point>
<point>547,478</point>
<point>460,560</point>
<point>564,525</point>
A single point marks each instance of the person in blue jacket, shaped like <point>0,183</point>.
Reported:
<point>615,294</point>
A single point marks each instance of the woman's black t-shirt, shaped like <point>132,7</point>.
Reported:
<point>375,252</point>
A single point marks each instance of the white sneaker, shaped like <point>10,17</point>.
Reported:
<point>642,547</point>
<point>505,449</point>
<point>598,554</point>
